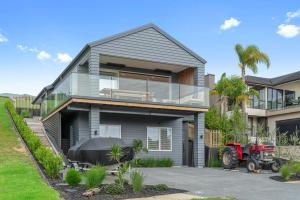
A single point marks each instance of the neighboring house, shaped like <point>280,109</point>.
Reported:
<point>140,84</point>
<point>277,110</point>
<point>278,106</point>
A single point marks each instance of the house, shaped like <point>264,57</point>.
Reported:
<point>278,107</point>
<point>139,84</point>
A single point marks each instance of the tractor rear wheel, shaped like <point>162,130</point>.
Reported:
<point>229,158</point>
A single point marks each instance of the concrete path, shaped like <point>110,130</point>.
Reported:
<point>179,196</point>
<point>209,182</point>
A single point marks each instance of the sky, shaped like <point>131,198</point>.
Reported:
<point>39,38</point>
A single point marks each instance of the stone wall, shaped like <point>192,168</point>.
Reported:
<point>288,152</point>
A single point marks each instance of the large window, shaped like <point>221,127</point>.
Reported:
<point>159,139</point>
<point>258,102</point>
<point>110,131</point>
<point>275,98</point>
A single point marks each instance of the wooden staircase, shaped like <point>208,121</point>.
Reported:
<point>37,127</point>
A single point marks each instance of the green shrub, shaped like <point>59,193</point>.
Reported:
<point>25,113</point>
<point>215,163</point>
<point>285,172</point>
<point>152,162</point>
<point>137,181</point>
<point>296,168</point>
<point>160,187</point>
<point>125,182</point>
<point>51,162</point>
<point>73,177</point>
<point>114,189</point>
<point>95,176</point>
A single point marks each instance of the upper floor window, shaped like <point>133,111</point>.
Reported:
<point>159,139</point>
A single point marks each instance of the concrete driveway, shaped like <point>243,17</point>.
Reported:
<point>210,182</point>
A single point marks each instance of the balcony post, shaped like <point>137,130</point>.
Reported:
<point>199,148</point>
<point>94,71</point>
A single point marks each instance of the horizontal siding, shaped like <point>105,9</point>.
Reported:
<point>53,128</point>
<point>135,127</point>
<point>148,45</point>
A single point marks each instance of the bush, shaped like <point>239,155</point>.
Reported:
<point>215,163</point>
<point>95,176</point>
<point>285,172</point>
<point>152,162</point>
<point>160,187</point>
<point>25,114</point>
<point>51,162</point>
<point>73,177</point>
<point>137,181</point>
<point>114,189</point>
<point>296,168</point>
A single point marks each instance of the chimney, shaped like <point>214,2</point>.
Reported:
<point>210,81</point>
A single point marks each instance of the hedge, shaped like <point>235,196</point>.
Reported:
<point>152,162</point>
<point>51,162</point>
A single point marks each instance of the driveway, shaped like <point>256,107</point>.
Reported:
<point>210,182</point>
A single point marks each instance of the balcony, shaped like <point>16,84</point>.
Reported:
<point>119,89</point>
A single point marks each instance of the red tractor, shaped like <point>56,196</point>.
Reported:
<point>256,156</point>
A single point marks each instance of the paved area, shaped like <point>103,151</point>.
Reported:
<point>210,182</point>
<point>179,196</point>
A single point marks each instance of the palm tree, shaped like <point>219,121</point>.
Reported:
<point>249,57</point>
<point>233,90</point>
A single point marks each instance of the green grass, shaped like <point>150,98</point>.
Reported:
<point>19,179</point>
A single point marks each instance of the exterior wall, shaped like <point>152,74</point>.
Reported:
<point>135,127</point>
<point>293,86</point>
<point>53,128</point>
<point>272,120</point>
<point>148,45</point>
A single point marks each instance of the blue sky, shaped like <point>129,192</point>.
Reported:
<point>38,38</point>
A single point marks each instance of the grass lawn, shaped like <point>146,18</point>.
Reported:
<point>19,179</point>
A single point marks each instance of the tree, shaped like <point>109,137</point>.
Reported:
<point>232,90</point>
<point>249,57</point>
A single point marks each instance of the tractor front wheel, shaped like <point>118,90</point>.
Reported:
<point>252,165</point>
<point>229,158</point>
<point>275,166</point>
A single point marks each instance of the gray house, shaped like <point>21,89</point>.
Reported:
<point>140,84</point>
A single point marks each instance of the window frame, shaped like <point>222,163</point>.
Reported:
<point>159,140</point>
<point>117,125</point>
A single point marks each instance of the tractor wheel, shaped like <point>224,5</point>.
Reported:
<point>275,166</point>
<point>229,158</point>
<point>252,165</point>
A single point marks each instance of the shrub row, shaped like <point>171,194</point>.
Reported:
<point>51,162</point>
<point>152,162</point>
<point>290,169</point>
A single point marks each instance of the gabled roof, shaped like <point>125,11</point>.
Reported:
<point>114,37</point>
<point>144,27</point>
<point>273,81</point>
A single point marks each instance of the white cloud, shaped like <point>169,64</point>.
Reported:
<point>63,57</point>
<point>3,38</point>
<point>291,15</point>
<point>43,55</point>
<point>25,48</point>
<point>288,30</point>
<point>230,23</point>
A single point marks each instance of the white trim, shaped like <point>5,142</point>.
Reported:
<point>116,125</point>
<point>159,140</point>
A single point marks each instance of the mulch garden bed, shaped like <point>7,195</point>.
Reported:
<point>75,193</point>
<point>280,179</point>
